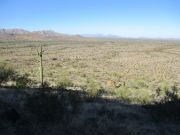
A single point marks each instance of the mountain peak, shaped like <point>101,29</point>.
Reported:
<point>21,34</point>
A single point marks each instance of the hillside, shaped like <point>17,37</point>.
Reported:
<point>65,112</point>
<point>93,86</point>
<point>21,34</point>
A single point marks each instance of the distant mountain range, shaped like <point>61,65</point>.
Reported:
<point>101,36</point>
<point>21,34</point>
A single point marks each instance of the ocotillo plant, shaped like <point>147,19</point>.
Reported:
<point>40,54</point>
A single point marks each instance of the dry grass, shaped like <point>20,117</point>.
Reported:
<point>137,64</point>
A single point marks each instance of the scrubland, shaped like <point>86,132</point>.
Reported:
<point>127,68</point>
<point>91,86</point>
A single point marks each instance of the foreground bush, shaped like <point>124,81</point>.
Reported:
<point>64,82</point>
<point>168,94</point>
<point>93,88</point>
<point>7,73</point>
<point>131,95</point>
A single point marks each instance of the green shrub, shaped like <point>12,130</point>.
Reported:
<point>7,73</point>
<point>167,94</point>
<point>139,83</point>
<point>64,82</point>
<point>165,86</point>
<point>93,88</point>
<point>142,96</point>
<point>132,95</point>
<point>142,83</point>
<point>123,93</point>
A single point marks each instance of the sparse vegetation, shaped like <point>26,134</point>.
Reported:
<point>6,73</point>
<point>9,75</point>
<point>114,65</point>
<point>90,86</point>
<point>130,95</point>
<point>93,88</point>
<point>23,81</point>
<point>64,81</point>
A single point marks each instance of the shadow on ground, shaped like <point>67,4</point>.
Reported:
<point>67,112</point>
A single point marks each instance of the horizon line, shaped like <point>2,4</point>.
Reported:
<point>97,35</point>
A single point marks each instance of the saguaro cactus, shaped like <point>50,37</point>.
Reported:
<point>40,54</point>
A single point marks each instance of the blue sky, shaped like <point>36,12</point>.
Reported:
<point>126,18</point>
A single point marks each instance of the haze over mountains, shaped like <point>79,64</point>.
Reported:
<point>21,34</point>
